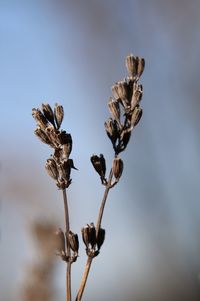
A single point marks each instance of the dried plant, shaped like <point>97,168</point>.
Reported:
<point>126,112</point>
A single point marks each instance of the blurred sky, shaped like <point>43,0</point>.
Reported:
<point>72,52</point>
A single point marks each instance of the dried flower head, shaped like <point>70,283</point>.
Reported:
<point>59,114</point>
<point>117,167</point>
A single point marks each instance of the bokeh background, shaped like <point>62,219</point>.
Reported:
<point>72,52</point>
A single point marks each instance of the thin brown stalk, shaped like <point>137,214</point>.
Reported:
<point>98,226</point>
<point>67,227</point>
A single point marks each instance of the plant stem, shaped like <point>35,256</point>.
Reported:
<point>68,270</point>
<point>98,226</point>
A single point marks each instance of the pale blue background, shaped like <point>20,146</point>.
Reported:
<point>72,52</point>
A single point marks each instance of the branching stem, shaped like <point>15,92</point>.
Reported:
<point>98,226</point>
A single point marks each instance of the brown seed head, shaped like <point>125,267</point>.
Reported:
<point>136,116</point>
<point>114,108</point>
<point>131,65</point>
<point>48,112</point>
<point>52,169</point>
<point>117,167</point>
<point>73,241</point>
<point>59,114</point>
<point>42,136</point>
<point>140,67</point>
<point>41,120</point>
<point>120,90</point>
<point>100,238</point>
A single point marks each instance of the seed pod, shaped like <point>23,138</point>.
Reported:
<point>99,165</point>
<point>112,130</point>
<point>137,95</point>
<point>131,65</point>
<point>59,114</point>
<point>42,136</point>
<point>66,141</point>
<point>41,120</point>
<point>125,138</point>
<point>51,168</point>
<point>113,106</point>
<point>119,90</point>
<point>85,235</point>
<point>140,67</point>
<point>48,112</point>
<point>117,167</point>
<point>100,238</point>
<point>136,116</point>
<point>73,241</point>
<point>60,241</point>
<point>92,235</point>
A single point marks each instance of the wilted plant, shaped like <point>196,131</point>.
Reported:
<point>126,112</point>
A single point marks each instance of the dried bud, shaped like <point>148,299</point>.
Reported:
<point>99,165</point>
<point>114,108</point>
<point>59,114</point>
<point>48,112</point>
<point>89,235</point>
<point>66,141</point>
<point>100,238</point>
<point>131,65</point>
<point>73,241</point>
<point>140,67</point>
<point>39,118</point>
<point>85,235</point>
<point>136,116</point>
<point>60,241</point>
<point>92,235</point>
<point>117,167</point>
<point>112,130</point>
<point>125,138</point>
<point>51,168</point>
<point>42,136</point>
<point>120,90</point>
<point>137,95</point>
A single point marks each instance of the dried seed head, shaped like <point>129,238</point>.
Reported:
<point>92,235</point>
<point>73,241</point>
<point>125,137</point>
<point>60,241</point>
<point>85,235</point>
<point>120,91</point>
<point>51,168</point>
<point>137,95</point>
<point>136,116</point>
<point>99,165</point>
<point>131,65</point>
<point>48,112</point>
<point>59,114</point>
<point>66,142</point>
<point>41,120</point>
<point>42,136</point>
<point>100,238</point>
<point>117,167</point>
<point>114,108</point>
<point>140,67</point>
<point>112,130</point>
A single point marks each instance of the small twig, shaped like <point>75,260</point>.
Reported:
<point>98,226</point>
<point>68,270</point>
